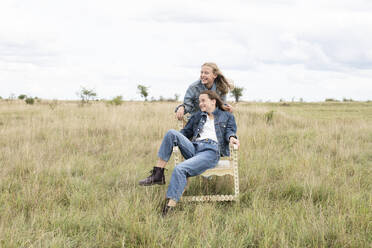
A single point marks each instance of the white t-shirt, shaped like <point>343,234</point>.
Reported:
<point>208,132</point>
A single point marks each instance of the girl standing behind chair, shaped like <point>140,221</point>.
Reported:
<point>211,78</point>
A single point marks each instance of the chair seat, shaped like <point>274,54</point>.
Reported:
<point>223,163</point>
<point>224,167</point>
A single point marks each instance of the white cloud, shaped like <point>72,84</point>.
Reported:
<point>276,49</point>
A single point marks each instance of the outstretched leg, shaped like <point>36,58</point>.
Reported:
<point>206,159</point>
<point>175,138</point>
<point>171,138</point>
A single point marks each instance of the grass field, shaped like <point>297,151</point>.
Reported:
<point>68,178</point>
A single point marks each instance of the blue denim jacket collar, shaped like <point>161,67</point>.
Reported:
<point>214,86</point>
<point>215,113</point>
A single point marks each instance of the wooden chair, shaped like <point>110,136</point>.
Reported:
<point>226,166</point>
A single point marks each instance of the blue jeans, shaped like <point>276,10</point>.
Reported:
<point>199,156</point>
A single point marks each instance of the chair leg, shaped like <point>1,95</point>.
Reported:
<point>206,182</point>
<point>236,184</point>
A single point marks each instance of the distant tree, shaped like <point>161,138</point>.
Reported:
<point>21,97</point>
<point>176,97</point>
<point>1,98</point>
<point>86,95</point>
<point>237,92</point>
<point>143,91</point>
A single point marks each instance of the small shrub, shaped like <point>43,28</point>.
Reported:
<point>347,100</point>
<point>269,116</point>
<point>53,104</point>
<point>116,101</point>
<point>331,100</point>
<point>30,100</point>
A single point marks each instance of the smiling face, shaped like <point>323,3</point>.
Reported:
<point>206,104</point>
<point>207,76</point>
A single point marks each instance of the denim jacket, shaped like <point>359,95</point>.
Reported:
<point>224,124</point>
<point>191,99</point>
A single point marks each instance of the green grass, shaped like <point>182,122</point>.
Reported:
<point>68,178</point>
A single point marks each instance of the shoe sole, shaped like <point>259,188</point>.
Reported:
<point>154,183</point>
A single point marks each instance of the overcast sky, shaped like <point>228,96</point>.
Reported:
<point>275,49</point>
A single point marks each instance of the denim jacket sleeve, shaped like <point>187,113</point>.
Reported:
<point>189,99</point>
<point>188,130</point>
<point>231,128</point>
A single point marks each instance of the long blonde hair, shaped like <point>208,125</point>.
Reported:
<point>222,83</point>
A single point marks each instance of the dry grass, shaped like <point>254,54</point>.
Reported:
<point>68,178</point>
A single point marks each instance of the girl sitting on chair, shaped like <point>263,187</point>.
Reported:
<point>210,130</point>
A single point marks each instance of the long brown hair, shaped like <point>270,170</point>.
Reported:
<point>222,83</point>
<point>213,95</point>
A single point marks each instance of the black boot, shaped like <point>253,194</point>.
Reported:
<point>156,177</point>
<point>166,209</point>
